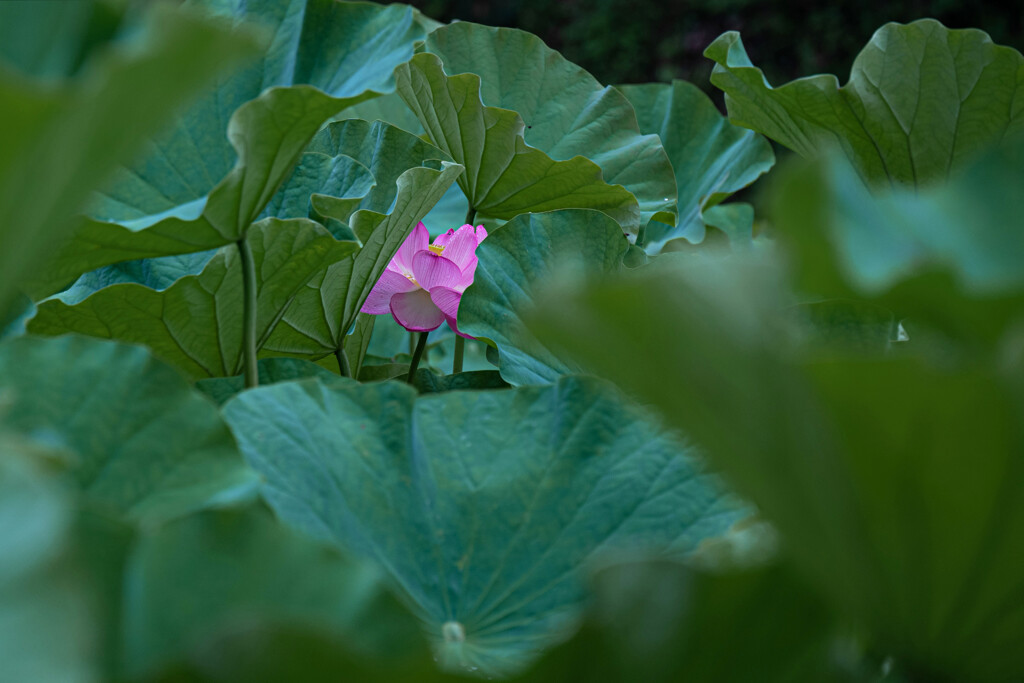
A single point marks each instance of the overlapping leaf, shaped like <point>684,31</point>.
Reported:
<point>921,100</point>
<point>196,324</point>
<point>519,262</point>
<point>123,426</point>
<point>482,506</point>
<point>60,142</point>
<point>195,191</point>
<point>711,157</point>
<point>566,111</point>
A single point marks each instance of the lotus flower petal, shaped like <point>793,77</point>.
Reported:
<point>389,284</point>
<point>431,270</point>
<point>415,311</point>
<point>417,241</point>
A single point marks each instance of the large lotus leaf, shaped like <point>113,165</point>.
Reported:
<point>388,108</point>
<point>664,621</point>
<point>484,505</point>
<point>196,324</point>
<point>567,112</point>
<point>921,100</point>
<point>711,157</point>
<point>58,142</point>
<point>504,175</point>
<point>239,575</point>
<point>857,458</point>
<point>341,178</point>
<point>269,133</point>
<point>517,264</point>
<point>121,413</point>
<point>324,311</point>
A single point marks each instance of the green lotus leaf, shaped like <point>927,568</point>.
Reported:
<point>504,175</point>
<point>482,506</point>
<point>921,100</point>
<point>566,111</point>
<point>59,141</point>
<point>388,108</point>
<point>712,158</point>
<point>520,261</point>
<point>238,576</point>
<point>132,457</point>
<point>196,324</point>
<point>326,308</point>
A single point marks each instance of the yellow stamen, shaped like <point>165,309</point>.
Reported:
<point>436,248</point>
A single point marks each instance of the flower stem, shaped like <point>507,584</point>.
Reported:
<point>470,216</point>
<point>460,349</point>
<point>416,355</point>
<point>252,376</point>
<point>343,366</point>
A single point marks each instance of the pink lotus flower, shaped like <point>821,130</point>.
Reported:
<point>423,284</point>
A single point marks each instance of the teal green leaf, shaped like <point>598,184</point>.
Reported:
<point>325,309</point>
<point>921,100</point>
<point>239,574</point>
<point>196,324</point>
<point>59,142</point>
<point>711,157</point>
<point>269,133</point>
<point>504,175</point>
<point>357,343</point>
<point>519,261</point>
<point>121,413</point>
<point>566,111</point>
<point>482,506</point>
<point>271,371</point>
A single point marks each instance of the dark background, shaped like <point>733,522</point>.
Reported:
<point>636,41</point>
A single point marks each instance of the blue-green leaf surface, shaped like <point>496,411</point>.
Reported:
<point>482,506</point>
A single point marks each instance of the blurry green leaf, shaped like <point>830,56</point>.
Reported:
<point>566,111</point>
<point>45,634</point>
<point>850,325</point>
<point>237,574</point>
<point>921,100</point>
<point>271,371</point>
<point>196,324</point>
<point>712,158</point>
<point>325,309</point>
<point>504,176</point>
<point>896,484</point>
<point>661,622</point>
<point>147,447</point>
<point>522,259</point>
<point>484,505</point>
<point>57,143</point>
